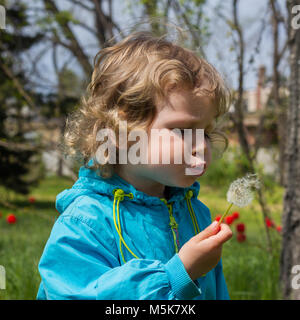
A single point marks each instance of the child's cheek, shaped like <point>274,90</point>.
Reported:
<point>161,150</point>
<point>177,150</point>
<point>154,151</point>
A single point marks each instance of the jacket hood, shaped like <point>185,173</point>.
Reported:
<point>90,182</point>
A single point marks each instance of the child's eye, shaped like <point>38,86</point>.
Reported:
<point>206,135</point>
<point>181,130</point>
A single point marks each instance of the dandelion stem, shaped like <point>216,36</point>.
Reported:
<point>223,216</point>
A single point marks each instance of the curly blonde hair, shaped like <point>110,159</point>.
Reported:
<point>128,79</point>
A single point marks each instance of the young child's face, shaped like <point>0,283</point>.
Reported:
<point>184,110</point>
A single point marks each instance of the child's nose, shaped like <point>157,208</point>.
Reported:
<point>201,149</point>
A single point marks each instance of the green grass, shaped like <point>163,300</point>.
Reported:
<point>22,243</point>
<point>250,272</point>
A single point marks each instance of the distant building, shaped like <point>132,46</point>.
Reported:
<point>256,99</point>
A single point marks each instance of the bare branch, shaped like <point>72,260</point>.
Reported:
<point>74,45</point>
<point>194,34</point>
<point>18,85</point>
<point>81,4</point>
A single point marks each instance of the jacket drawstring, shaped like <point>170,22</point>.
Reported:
<point>173,224</point>
<point>119,195</point>
<point>188,197</point>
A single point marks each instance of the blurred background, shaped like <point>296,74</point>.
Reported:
<point>47,49</point>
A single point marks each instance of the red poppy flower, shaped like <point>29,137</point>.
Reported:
<point>218,217</point>
<point>235,215</point>
<point>0,214</point>
<point>229,219</point>
<point>31,199</point>
<point>11,218</point>
<point>241,237</point>
<point>269,223</point>
<point>240,227</point>
<point>278,228</point>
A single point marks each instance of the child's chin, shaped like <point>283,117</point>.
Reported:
<point>187,181</point>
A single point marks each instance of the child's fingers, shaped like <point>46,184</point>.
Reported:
<point>207,232</point>
<point>223,235</point>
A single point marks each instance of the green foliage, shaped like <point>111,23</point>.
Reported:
<point>64,17</point>
<point>199,2</point>
<point>52,23</point>
<point>196,2</point>
<point>22,244</point>
<point>232,165</point>
<point>250,271</point>
<point>191,19</point>
<point>19,167</point>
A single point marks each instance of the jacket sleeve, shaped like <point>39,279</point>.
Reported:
<point>80,263</point>
<point>221,287</point>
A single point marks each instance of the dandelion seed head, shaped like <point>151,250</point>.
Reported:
<point>240,192</point>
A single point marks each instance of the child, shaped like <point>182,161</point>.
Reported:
<point>138,231</point>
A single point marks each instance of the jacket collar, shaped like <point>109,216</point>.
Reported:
<point>91,179</point>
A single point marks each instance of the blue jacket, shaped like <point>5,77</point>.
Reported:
<point>114,242</point>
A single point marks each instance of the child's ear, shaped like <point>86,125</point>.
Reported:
<point>211,126</point>
<point>170,87</point>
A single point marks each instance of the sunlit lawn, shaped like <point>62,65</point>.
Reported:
<point>22,243</point>
<point>250,272</point>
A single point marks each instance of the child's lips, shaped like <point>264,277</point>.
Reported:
<point>195,171</point>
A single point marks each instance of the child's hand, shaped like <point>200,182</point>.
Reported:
<point>203,252</point>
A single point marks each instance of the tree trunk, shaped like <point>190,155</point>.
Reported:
<point>290,255</point>
<point>279,108</point>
